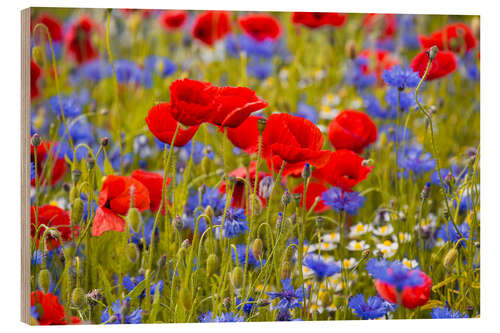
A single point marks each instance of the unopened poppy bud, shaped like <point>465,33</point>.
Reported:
<point>78,298</point>
<point>320,222</point>
<point>132,252</point>
<point>212,263</point>
<point>134,219</point>
<point>433,52</point>
<point>367,163</point>
<point>186,298</point>
<point>209,211</point>
<point>257,248</point>
<point>178,223</point>
<point>205,164</point>
<point>36,54</point>
<point>286,198</point>
<point>286,270</point>
<point>76,211</point>
<point>450,258</point>
<point>104,141</point>
<point>36,140</point>
<point>266,187</point>
<point>237,277</point>
<point>297,197</point>
<point>435,258</point>
<point>186,243</point>
<point>306,172</point>
<point>44,280</point>
<point>93,297</point>
<point>261,124</point>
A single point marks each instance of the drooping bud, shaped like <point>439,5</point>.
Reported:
<point>261,124</point>
<point>306,172</point>
<point>205,165</point>
<point>212,263</point>
<point>289,253</point>
<point>286,270</point>
<point>178,223</point>
<point>433,52</point>
<point>450,258</point>
<point>78,298</point>
<point>76,211</point>
<point>257,248</point>
<point>44,279</point>
<point>36,140</point>
<point>186,298</point>
<point>134,219</point>
<point>237,277</point>
<point>132,252</point>
<point>286,198</point>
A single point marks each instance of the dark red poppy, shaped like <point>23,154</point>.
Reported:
<point>114,202</point>
<point>35,74</point>
<point>411,296</point>
<point>260,26</point>
<point>352,130</point>
<point>385,24</point>
<point>294,140</point>
<point>443,64</point>
<point>245,136</point>
<point>173,19</point>
<point>192,102</point>
<point>240,193</point>
<point>378,61</point>
<point>79,41</point>
<point>211,26</point>
<point>314,20</point>
<point>46,158</point>
<point>234,105</point>
<point>163,125</point>
<point>154,183</point>
<point>454,37</point>
<point>53,217</point>
<point>344,170</point>
<point>53,25</point>
<point>314,190</point>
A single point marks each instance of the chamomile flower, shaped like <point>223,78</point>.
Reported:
<point>388,248</point>
<point>411,264</point>
<point>357,245</point>
<point>347,263</point>
<point>333,237</point>
<point>404,237</point>
<point>384,230</point>
<point>359,229</point>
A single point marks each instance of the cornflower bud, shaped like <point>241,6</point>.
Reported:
<point>93,297</point>
<point>306,172</point>
<point>36,140</point>
<point>297,197</point>
<point>425,191</point>
<point>433,52</point>
<point>286,198</point>
<point>266,187</point>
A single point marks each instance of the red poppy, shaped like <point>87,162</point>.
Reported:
<point>44,160</point>
<point>79,42</point>
<point>173,19</point>
<point>239,194</point>
<point>260,26</point>
<point>245,136</point>
<point>192,102</point>
<point>211,26</point>
<point>294,140</point>
<point>344,169</point>
<point>35,73</point>
<point>49,310</point>
<point>154,183</point>
<point>315,20</point>
<point>411,296</point>
<point>378,61</point>
<point>234,105</point>
<point>53,25</point>
<point>163,125</point>
<point>52,217</point>
<point>443,64</point>
<point>314,190</point>
<point>114,201</point>
<point>453,37</point>
<point>352,130</point>
<point>386,24</point>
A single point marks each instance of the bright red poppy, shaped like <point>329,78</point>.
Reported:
<point>294,140</point>
<point>385,24</point>
<point>114,202</point>
<point>154,183</point>
<point>192,102</point>
<point>378,61</point>
<point>352,130</point>
<point>411,296</point>
<point>211,26</point>
<point>443,64</point>
<point>314,20</point>
<point>163,125</point>
<point>344,170</point>
<point>314,190</point>
<point>46,158</point>
<point>245,136</point>
<point>53,24</point>
<point>173,19</point>
<point>49,310</point>
<point>453,37</point>
<point>35,74</point>
<point>234,105</point>
<point>260,26</point>
<point>52,217</point>
<point>79,41</point>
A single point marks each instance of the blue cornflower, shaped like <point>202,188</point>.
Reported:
<point>141,147</point>
<point>356,75</point>
<point>86,207</point>
<point>117,313</point>
<point>225,317</point>
<point>162,66</point>
<point>129,72</point>
<point>394,132</point>
<point>400,78</point>
<point>374,307</point>
<point>448,233</point>
<point>136,237</point>
<point>96,70</point>
<point>211,197</point>
<point>385,44</point>
<point>130,283</point>
<point>34,313</point>
<point>455,171</point>
<point>80,131</point>
<point>394,273</point>
<point>321,268</point>
<point>234,224</point>
<point>415,159</point>
<point>248,306</point>
<point>285,315</point>
<point>70,105</point>
<point>32,171</point>
<point>375,109</point>
<point>465,202</point>
<point>289,298</point>
<point>242,250</point>
<point>307,111</point>
<point>252,47</point>
<point>37,257</point>
<point>445,313</point>
<point>200,150</point>
<point>406,99</point>
<point>259,68</point>
<point>342,201</point>
<point>409,37</point>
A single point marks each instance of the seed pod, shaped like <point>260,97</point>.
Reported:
<point>261,124</point>
<point>257,248</point>
<point>36,140</point>
<point>450,258</point>
<point>186,298</point>
<point>76,211</point>
<point>134,219</point>
<point>212,263</point>
<point>237,277</point>
<point>205,165</point>
<point>286,270</point>
<point>433,52</point>
<point>44,279</point>
<point>132,252</point>
<point>78,298</point>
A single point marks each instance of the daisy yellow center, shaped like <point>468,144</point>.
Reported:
<point>387,243</point>
<point>383,229</point>
<point>357,246</point>
<point>325,108</point>
<point>360,228</point>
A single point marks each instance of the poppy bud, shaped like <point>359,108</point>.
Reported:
<point>433,52</point>
<point>261,124</point>
<point>134,219</point>
<point>76,211</point>
<point>450,258</point>
<point>78,298</point>
<point>255,201</point>
<point>286,198</point>
<point>435,258</point>
<point>237,277</point>
<point>205,164</point>
<point>181,254</point>
<point>289,253</point>
<point>306,172</point>
<point>162,261</point>
<point>186,298</point>
<point>44,279</point>
<point>132,252</point>
<point>286,270</point>
<point>104,141</point>
<point>178,223</point>
<point>212,263</point>
<point>36,140</point>
<point>257,248</point>
<point>36,54</point>
<point>75,175</point>
<point>209,212</point>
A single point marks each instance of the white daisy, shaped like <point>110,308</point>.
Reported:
<point>356,245</point>
<point>384,230</point>
<point>359,229</point>
<point>388,248</point>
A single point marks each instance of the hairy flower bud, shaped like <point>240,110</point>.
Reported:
<point>44,279</point>
<point>433,52</point>
<point>306,172</point>
<point>320,222</point>
<point>78,298</point>
<point>93,297</point>
<point>266,187</point>
<point>258,248</point>
<point>104,141</point>
<point>162,261</point>
<point>134,219</point>
<point>186,244</point>
<point>209,211</point>
<point>297,197</point>
<point>178,223</point>
<point>212,263</point>
<point>237,277</point>
<point>186,298</point>
<point>36,54</point>
<point>286,270</point>
<point>132,252</point>
<point>450,258</point>
<point>76,211</point>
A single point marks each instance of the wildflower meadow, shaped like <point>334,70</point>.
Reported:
<point>212,166</point>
